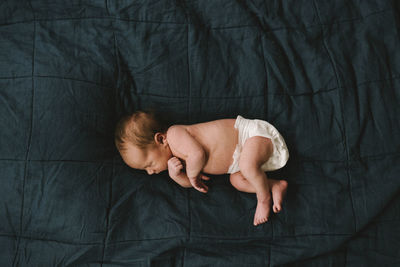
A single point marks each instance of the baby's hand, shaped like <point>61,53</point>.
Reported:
<point>174,166</point>
<point>198,183</point>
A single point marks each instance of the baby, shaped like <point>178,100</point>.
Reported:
<point>243,148</point>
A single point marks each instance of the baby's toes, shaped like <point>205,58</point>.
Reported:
<point>277,208</point>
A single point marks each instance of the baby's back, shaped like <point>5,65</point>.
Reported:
<point>219,139</point>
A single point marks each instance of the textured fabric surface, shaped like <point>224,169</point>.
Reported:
<point>326,74</point>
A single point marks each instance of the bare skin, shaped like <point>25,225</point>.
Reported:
<point>278,188</point>
<point>188,151</point>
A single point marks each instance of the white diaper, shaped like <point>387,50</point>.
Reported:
<point>249,128</point>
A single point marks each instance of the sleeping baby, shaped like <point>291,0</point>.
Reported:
<point>241,147</point>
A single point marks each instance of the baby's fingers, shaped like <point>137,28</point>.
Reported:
<point>200,186</point>
<point>202,189</point>
<point>174,160</point>
<point>204,177</point>
<point>178,164</point>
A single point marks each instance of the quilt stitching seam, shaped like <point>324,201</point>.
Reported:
<point>29,141</point>
<point>224,238</point>
<point>266,78</point>
<point>212,28</point>
<point>88,243</point>
<point>210,97</point>
<point>342,115</point>
<point>106,235</point>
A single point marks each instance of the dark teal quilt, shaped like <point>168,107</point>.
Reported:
<point>326,74</point>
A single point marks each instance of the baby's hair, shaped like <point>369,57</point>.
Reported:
<point>139,129</point>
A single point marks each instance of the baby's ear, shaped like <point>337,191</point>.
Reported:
<point>159,138</point>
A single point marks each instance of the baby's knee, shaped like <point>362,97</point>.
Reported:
<point>249,169</point>
<point>233,179</point>
<point>236,179</point>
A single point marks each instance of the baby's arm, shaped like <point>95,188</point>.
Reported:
<point>175,172</point>
<point>191,151</point>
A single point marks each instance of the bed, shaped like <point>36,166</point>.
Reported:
<point>326,74</point>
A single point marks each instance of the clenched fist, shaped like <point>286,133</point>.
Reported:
<point>174,166</point>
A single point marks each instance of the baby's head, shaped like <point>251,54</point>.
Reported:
<point>141,140</point>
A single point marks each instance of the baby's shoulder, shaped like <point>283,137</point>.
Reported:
<point>176,129</point>
<point>181,141</point>
<point>175,132</point>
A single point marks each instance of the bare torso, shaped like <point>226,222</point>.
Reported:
<point>218,139</point>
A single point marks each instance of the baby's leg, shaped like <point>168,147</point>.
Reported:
<point>278,188</point>
<point>240,183</point>
<point>255,152</point>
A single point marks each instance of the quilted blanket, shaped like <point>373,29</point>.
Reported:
<point>326,74</point>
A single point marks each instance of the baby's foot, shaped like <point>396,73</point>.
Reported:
<point>278,188</point>
<point>262,211</point>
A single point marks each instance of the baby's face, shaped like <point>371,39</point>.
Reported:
<point>153,159</point>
